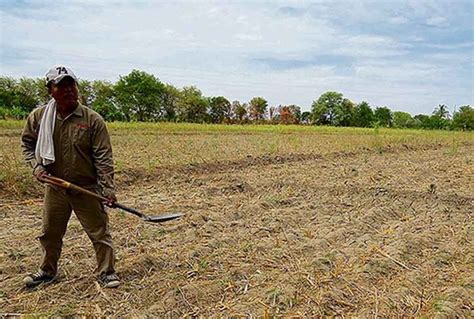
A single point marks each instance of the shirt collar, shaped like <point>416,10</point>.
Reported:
<point>78,110</point>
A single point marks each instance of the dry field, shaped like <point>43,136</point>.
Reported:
<point>280,221</point>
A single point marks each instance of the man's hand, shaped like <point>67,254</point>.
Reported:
<point>110,200</point>
<point>40,172</point>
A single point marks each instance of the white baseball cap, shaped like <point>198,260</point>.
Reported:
<point>59,72</point>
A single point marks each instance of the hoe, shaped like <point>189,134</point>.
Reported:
<point>67,185</point>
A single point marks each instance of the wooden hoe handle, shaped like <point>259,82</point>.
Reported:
<point>67,185</point>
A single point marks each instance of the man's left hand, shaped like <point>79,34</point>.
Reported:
<point>110,200</point>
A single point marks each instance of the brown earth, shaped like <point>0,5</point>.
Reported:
<point>360,234</point>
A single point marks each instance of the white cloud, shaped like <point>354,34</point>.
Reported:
<point>248,37</point>
<point>370,46</point>
<point>452,46</point>
<point>398,20</point>
<point>212,45</point>
<point>439,22</point>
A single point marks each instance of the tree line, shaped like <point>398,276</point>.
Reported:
<point>140,96</point>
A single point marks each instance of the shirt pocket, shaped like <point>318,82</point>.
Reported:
<point>82,136</point>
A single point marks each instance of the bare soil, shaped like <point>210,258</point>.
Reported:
<point>385,233</point>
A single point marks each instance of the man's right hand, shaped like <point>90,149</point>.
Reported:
<point>40,172</point>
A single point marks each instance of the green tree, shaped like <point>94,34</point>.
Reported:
<point>104,102</point>
<point>8,92</point>
<point>383,116</point>
<point>439,123</point>
<point>239,110</point>
<point>441,111</point>
<point>86,92</point>
<point>343,113</point>
<point>403,120</point>
<point>464,118</point>
<point>19,97</point>
<point>440,118</point>
<point>363,115</point>
<point>257,108</point>
<point>28,94</point>
<point>42,91</point>
<point>306,117</point>
<point>23,93</point>
<point>171,98</point>
<point>219,108</point>
<point>100,96</point>
<point>323,109</point>
<point>331,108</point>
<point>422,121</point>
<point>192,106</point>
<point>139,96</point>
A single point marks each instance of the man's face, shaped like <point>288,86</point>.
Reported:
<point>65,92</point>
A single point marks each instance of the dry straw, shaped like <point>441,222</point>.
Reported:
<point>354,233</point>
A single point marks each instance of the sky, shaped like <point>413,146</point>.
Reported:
<point>408,55</point>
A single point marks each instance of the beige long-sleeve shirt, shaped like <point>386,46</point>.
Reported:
<point>82,148</point>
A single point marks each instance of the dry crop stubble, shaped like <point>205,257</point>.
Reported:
<point>142,149</point>
<point>314,232</point>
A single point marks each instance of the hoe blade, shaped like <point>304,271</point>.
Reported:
<point>162,218</point>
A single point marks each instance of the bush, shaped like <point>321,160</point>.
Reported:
<point>13,113</point>
<point>17,113</point>
<point>464,118</point>
<point>3,113</point>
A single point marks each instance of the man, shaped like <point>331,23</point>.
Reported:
<point>70,141</point>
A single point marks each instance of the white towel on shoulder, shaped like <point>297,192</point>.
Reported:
<point>44,150</point>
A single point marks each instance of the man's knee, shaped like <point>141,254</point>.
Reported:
<point>51,239</point>
<point>99,235</point>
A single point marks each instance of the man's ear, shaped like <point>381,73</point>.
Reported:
<point>50,88</point>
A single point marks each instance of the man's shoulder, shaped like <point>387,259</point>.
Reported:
<point>38,112</point>
<point>91,114</point>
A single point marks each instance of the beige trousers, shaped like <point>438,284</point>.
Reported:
<point>58,205</point>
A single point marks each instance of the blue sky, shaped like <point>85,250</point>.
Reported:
<point>407,55</point>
